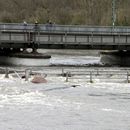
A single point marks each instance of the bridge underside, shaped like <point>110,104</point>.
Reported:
<point>53,45</point>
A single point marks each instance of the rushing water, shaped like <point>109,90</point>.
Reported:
<point>57,105</point>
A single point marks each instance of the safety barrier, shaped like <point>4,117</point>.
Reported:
<point>90,76</point>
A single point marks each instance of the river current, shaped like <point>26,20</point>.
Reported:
<point>56,105</point>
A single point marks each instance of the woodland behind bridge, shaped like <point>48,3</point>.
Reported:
<point>76,12</point>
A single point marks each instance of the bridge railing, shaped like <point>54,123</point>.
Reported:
<point>63,28</point>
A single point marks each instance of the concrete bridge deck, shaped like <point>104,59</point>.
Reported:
<point>51,36</point>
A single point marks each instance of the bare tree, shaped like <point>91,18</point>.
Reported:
<point>89,12</point>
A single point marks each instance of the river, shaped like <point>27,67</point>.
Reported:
<point>56,105</point>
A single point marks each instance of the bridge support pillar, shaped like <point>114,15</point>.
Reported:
<point>120,58</point>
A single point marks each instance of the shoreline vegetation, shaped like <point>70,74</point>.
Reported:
<point>74,12</point>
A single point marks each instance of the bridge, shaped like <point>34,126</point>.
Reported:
<point>52,36</point>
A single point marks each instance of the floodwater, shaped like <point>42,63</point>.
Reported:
<point>56,105</point>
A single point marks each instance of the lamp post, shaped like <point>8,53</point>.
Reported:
<point>113,12</point>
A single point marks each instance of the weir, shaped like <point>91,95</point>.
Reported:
<point>17,37</point>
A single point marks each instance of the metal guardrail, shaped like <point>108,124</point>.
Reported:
<point>91,75</point>
<point>64,28</point>
<point>20,74</point>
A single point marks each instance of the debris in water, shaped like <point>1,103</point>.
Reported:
<point>39,79</point>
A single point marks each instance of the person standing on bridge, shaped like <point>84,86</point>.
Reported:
<point>36,26</point>
<point>26,36</point>
<point>25,23</point>
<point>49,25</point>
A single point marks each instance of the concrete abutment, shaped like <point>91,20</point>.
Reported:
<point>119,58</point>
<point>18,57</point>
